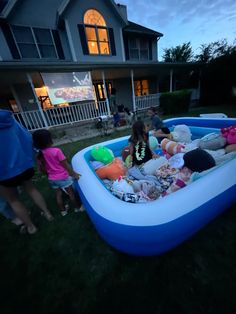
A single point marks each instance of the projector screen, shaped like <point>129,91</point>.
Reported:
<point>68,87</point>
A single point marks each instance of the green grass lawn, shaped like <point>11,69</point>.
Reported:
<point>67,268</point>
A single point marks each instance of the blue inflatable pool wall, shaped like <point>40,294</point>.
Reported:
<point>152,228</point>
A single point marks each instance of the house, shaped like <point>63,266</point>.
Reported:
<point>64,61</point>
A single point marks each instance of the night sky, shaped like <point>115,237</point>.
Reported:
<point>197,21</point>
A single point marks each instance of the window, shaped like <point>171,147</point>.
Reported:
<point>138,49</point>
<point>96,33</point>
<point>141,87</point>
<point>34,42</point>
<point>100,91</point>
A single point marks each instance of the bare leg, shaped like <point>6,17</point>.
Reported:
<point>37,198</point>
<point>60,200</point>
<point>12,197</point>
<point>75,201</point>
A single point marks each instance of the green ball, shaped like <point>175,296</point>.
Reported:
<point>103,154</point>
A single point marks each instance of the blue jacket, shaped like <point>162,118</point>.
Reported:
<point>16,148</point>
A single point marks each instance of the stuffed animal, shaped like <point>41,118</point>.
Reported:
<point>212,141</point>
<point>103,154</point>
<point>181,134</point>
<point>171,147</point>
<point>153,142</point>
<point>112,171</point>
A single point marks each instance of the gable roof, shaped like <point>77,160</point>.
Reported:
<point>136,28</point>
<point>65,4</point>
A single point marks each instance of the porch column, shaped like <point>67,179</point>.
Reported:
<point>171,80</point>
<point>133,93</point>
<point>105,91</point>
<point>37,101</point>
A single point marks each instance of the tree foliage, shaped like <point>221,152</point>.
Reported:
<point>216,49</point>
<point>180,53</point>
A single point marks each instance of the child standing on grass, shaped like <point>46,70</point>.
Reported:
<point>53,163</point>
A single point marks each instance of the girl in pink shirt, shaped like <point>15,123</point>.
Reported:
<point>53,163</point>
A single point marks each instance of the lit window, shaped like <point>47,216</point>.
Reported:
<point>141,87</point>
<point>96,33</point>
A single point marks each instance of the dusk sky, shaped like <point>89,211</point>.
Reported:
<point>197,21</point>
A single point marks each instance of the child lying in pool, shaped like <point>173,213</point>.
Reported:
<point>196,160</point>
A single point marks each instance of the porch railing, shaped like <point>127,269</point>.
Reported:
<point>33,119</point>
<point>144,102</point>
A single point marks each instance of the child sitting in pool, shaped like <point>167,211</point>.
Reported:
<point>140,150</point>
<point>53,163</point>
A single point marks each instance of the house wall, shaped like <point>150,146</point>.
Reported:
<point>38,13</point>
<point>4,50</point>
<point>25,97</point>
<point>74,16</point>
<point>123,92</point>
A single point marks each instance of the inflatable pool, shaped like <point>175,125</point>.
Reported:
<point>155,227</point>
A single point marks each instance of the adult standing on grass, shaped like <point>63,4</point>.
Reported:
<point>158,127</point>
<point>16,168</point>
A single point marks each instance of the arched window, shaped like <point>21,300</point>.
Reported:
<point>96,33</point>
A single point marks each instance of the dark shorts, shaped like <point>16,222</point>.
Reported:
<point>18,180</point>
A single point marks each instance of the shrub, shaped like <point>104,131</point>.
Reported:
<point>175,102</point>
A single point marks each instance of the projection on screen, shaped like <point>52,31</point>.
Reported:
<point>68,87</point>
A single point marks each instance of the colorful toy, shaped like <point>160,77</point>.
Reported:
<point>171,147</point>
<point>230,134</point>
<point>112,171</point>
<point>103,154</point>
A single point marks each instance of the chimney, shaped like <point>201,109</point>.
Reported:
<point>122,10</point>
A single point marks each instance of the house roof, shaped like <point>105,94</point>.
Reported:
<point>136,28</point>
<point>65,4</point>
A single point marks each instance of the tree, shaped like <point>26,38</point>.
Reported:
<point>216,49</point>
<point>181,53</point>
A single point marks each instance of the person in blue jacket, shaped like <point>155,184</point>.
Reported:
<point>17,168</point>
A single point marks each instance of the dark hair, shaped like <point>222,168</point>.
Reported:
<point>42,139</point>
<point>138,132</point>
<point>198,160</point>
<point>127,110</point>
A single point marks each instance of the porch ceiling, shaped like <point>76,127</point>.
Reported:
<point>15,73</point>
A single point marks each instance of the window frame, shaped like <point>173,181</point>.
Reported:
<point>98,42</point>
<point>35,42</point>
<point>138,48</point>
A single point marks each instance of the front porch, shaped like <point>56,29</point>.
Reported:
<point>86,112</point>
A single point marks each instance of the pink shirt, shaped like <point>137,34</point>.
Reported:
<point>53,156</point>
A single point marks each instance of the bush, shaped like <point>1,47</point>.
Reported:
<point>175,102</point>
